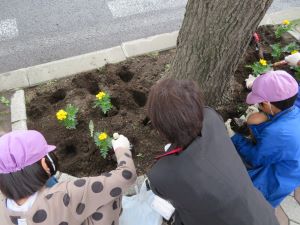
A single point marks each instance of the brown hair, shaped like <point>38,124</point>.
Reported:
<point>175,108</point>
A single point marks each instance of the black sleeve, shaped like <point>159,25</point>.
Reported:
<point>154,186</point>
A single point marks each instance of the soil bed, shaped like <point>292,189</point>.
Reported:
<point>128,83</point>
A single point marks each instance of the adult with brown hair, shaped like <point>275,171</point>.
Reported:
<point>201,174</point>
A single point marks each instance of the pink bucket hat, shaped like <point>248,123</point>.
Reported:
<point>19,149</point>
<point>273,86</point>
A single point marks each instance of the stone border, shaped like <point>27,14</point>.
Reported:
<point>35,75</point>
<point>18,111</point>
<point>151,44</point>
<point>278,17</point>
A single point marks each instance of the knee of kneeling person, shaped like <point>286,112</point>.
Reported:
<point>257,118</point>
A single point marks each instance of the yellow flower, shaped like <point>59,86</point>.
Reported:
<point>286,22</point>
<point>100,95</point>
<point>61,114</point>
<point>294,52</point>
<point>263,62</point>
<point>102,136</point>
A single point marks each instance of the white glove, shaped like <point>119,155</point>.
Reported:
<point>230,132</point>
<point>250,80</point>
<point>250,110</point>
<point>120,141</point>
<point>167,146</point>
<point>293,60</point>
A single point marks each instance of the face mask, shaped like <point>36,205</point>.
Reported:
<point>51,161</point>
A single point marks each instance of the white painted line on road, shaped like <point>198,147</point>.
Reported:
<point>8,29</point>
<point>123,8</point>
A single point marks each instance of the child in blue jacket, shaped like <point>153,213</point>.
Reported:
<point>274,157</point>
<point>294,60</point>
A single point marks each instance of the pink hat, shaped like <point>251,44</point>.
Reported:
<point>272,86</point>
<point>19,149</point>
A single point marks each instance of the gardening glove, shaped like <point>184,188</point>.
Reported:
<point>293,60</point>
<point>250,80</point>
<point>167,146</point>
<point>250,110</point>
<point>230,132</point>
<point>120,141</point>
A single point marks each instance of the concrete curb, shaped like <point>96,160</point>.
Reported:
<point>151,44</point>
<point>290,14</point>
<point>70,66</point>
<point>18,111</point>
<point>278,17</point>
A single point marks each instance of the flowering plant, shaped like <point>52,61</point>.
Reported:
<point>103,141</point>
<point>67,117</point>
<point>277,50</point>
<point>260,67</point>
<point>103,101</point>
<point>283,28</point>
<point>291,48</point>
<point>297,72</point>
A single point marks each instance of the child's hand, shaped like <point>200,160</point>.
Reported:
<point>293,60</point>
<point>120,141</point>
<point>230,132</point>
<point>250,110</point>
<point>250,80</point>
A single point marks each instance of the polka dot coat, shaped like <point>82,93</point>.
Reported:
<point>85,201</point>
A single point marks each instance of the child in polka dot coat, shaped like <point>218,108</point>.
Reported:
<point>27,162</point>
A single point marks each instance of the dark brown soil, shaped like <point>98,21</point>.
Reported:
<point>128,83</point>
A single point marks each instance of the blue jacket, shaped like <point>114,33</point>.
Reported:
<point>275,158</point>
<point>297,103</point>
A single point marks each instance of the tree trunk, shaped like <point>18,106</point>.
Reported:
<point>213,37</point>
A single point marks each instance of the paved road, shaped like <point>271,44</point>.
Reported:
<point>39,31</point>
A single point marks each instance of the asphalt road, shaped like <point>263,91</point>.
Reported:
<point>39,31</point>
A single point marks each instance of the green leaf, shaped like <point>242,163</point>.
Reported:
<point>281,29</point>
<point>167,67</point>
<point>276,51</point>
<point>4,101</point>
<point>70,122</point>
<point>297,72</point>
<point>258,69</point>
<point>91,127</point>
<point>104,103</point>
<point>291,47</point>
<point>104,146</point>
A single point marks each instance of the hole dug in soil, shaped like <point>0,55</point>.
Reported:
<point>125,74</point>
<point>57,96</point>
<point>88,82</point>
<point>139,97</point>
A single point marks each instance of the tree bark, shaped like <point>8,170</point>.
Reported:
<point>213,37</point>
